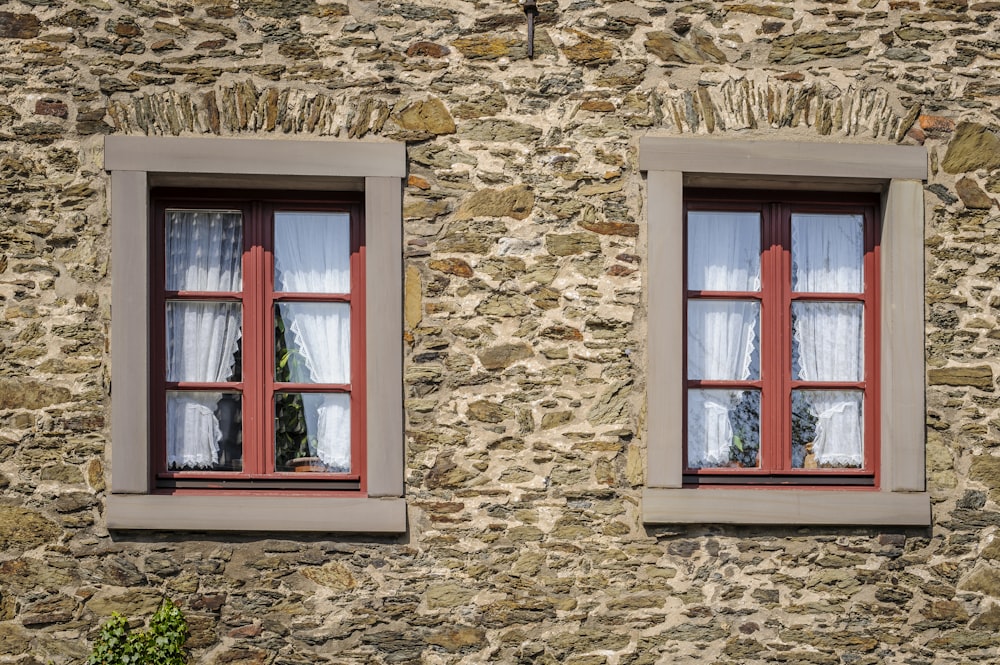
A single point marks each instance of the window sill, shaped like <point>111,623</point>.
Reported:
<point>255,513</point>
<point>785,506</point>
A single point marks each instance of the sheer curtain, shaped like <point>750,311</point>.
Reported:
<point>203,253</point>
<point>723,255</point>
<point>312,255</point>
<point>827,252</point>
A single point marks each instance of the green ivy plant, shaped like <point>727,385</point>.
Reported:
<point>160,644</point>
<point>291,438</point>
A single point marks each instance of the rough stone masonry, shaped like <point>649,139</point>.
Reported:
<point>525,334</point>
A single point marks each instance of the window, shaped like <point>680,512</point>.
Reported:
<point>245,289</point>
<point>782,338</point>
<point>261,308</point>
<point>753,416</point>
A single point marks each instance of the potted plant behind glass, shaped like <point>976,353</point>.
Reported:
<point>295,446</point>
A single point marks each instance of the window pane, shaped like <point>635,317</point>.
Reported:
<point>722,340</point>
<point>203,250</point>
<point>828,253</point>
<point>723,428</point>
<point>827,341</point>
<point>827,429</point>
<point>203,341</point>
<point>312,342</point>
<point>204,431</point>
<point>312,432</point>
<point>312,252</point>
<point>723,251</point>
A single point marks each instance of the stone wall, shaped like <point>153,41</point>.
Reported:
<point>525,340</point>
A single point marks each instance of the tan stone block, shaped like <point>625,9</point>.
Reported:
<point>612,228</point>
<point>946,610</point>
<point>428,117</point>
<point>27,394</point>
<point>567,244</point>
<point>515,202</point>
<point>333,575</point>
<point>445,473</point>
<point>485,48</point>
<point>670,48</point>
<point>95,475</point>
<point>413,297</point>
<point>427,49</point>
<point>941,476</point>
<point>489,412</point>
<point>589,50</point>
<point>980,376</point>
<point>992,551</point>
<point>986,469</point>
<point>458,638</point>
<point>984,579</point>
<point>597,106</point>
<point>988,620</point>
<point>635,466</point>
<point>19,26</point>
<point>936,124</point>
<point>458,267</point>
<point>418,182</point>
<point>972,195</point>
<point>556,419</point>
<point>22,529</point>
<point>972,147</point>
<point>136,602</point>
<point>504,355</point>
<point>447,595</point>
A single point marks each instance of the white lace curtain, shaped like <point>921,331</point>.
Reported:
<point>723,255</point>
<point>312,255</point>
<point>203,253</point>
<point>827,252</point>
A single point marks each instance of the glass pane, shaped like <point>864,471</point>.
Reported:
<point>827,341</point>
<point>722,340</point>
<point>828,253</point>
<point>312,342</point>
<point>827,428</point>
<point>312,252</point>
<point>203,341</point>
<point>723,429</point>
<point>204,431</point>
<point>203,250</point>
<point>723,251</point>
<point>312,432</point>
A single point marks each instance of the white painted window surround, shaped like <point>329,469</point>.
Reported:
<point>138,163</point>
<point>897,172</point>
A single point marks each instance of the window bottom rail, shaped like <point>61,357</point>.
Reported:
<point>797,480</point>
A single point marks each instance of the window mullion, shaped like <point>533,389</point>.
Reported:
<point>775,396</point>
<point>770,428</point>
<point>784,407</point>
<point>264,214</point>
<point>255,293</point>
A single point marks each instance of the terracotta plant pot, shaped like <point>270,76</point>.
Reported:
<point>307,465</point>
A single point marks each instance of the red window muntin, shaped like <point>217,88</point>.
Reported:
<point>256,382</point>
<point>775,382</point>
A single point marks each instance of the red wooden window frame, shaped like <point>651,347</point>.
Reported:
<point>258,386</point>
<point>776,297</point>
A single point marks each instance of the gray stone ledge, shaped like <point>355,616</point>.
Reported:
<point>255,513</point>
<point>785,506</point>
